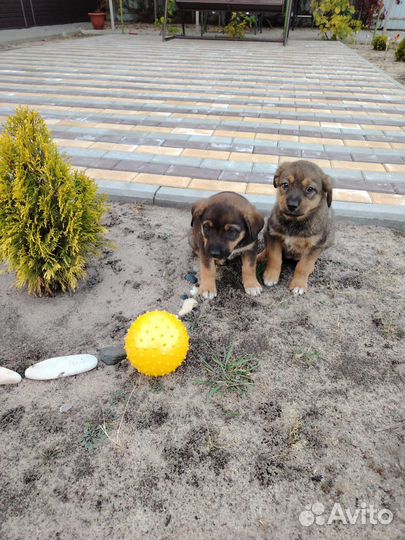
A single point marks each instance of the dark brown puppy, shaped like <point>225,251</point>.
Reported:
<point>300,225</point>
<point>224,226</point>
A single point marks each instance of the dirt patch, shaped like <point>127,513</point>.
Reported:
<point>331,374</point>
<point>385,60</point>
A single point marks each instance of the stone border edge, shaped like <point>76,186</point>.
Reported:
<point>370,214</point>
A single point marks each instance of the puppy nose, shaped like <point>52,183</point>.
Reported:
<point>215,253</point>
<point>292,205</point>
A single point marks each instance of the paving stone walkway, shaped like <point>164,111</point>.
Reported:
<point>215,115</point>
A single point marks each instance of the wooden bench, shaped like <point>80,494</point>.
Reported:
<point>283,7</point>
<point>275,6</point>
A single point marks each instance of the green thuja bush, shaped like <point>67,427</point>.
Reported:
<point>380,43</point>
<point>400,52</point>
<point>49,213</point>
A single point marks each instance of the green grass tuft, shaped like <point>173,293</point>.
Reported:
<point>229,373</point>
<point>308,357</point>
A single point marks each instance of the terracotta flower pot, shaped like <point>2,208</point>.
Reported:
<point>97,20</point>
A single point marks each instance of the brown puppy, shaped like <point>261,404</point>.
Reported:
<point>300,224</point>
<point>224,226</point>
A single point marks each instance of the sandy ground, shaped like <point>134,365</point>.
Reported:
<point>320,423</point>
<point>383,60</point>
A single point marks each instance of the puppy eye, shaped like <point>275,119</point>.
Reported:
<point>206,228</point>
<point>309,190</point>
<point>232,234</point>
<point>285,186</point>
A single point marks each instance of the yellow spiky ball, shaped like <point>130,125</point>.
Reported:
<point>157,343</point>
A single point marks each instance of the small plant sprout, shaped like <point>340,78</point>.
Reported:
<point>93,436</point>
<point>49,455</point>
<point>232,414</point>
<point>294,432</point>
<point>229,372</point>
<point>306,357</point>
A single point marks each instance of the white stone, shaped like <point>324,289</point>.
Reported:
<point>188,306</point>
<point>65,408</point>
<point>8,376</point>
<point>61,366</point>
<point>194,291</point>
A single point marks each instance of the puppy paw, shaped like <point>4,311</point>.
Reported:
<point>298,291</point>
<point>271,278</point>
<point>207,294</point>
<point>270,283</point>
<point>253,291</point>
<point>298,286</point>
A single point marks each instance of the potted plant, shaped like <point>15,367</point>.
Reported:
<point>97,17</point>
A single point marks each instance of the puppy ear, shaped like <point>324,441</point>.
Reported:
<point>197,210</point>
<point>254,223</point>
<point>328,188</point>
<point>279,172</point>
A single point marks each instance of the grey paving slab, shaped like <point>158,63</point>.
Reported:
<point>193,172</point>
<point>129,156</point>
<point>178,160</point>
<point>92,131</point>
<point>371,214</point>
<point>267,168</point>
<point>313,154</point>
<point>300,146</point>
<point>212,139</point>
<point>390,177</point>
<point>220,146</point>
<point>258,142</point>
<point>226,165</point>
<point>128,191</point>
<point>345,174</point>
<point>97,163</point>
<point>347,183</point>
<point>231,176</point>
<point>264,203</point>
<point>261,178</point>
<point>133,166</point>
<point>144,140</point>
<point>382,187</point>
<point>179,197</point>
<point>153,168</point>
<point>274,151</point>
<point>83,152</point>
<point>243,148</point>
<point>378,158</point>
